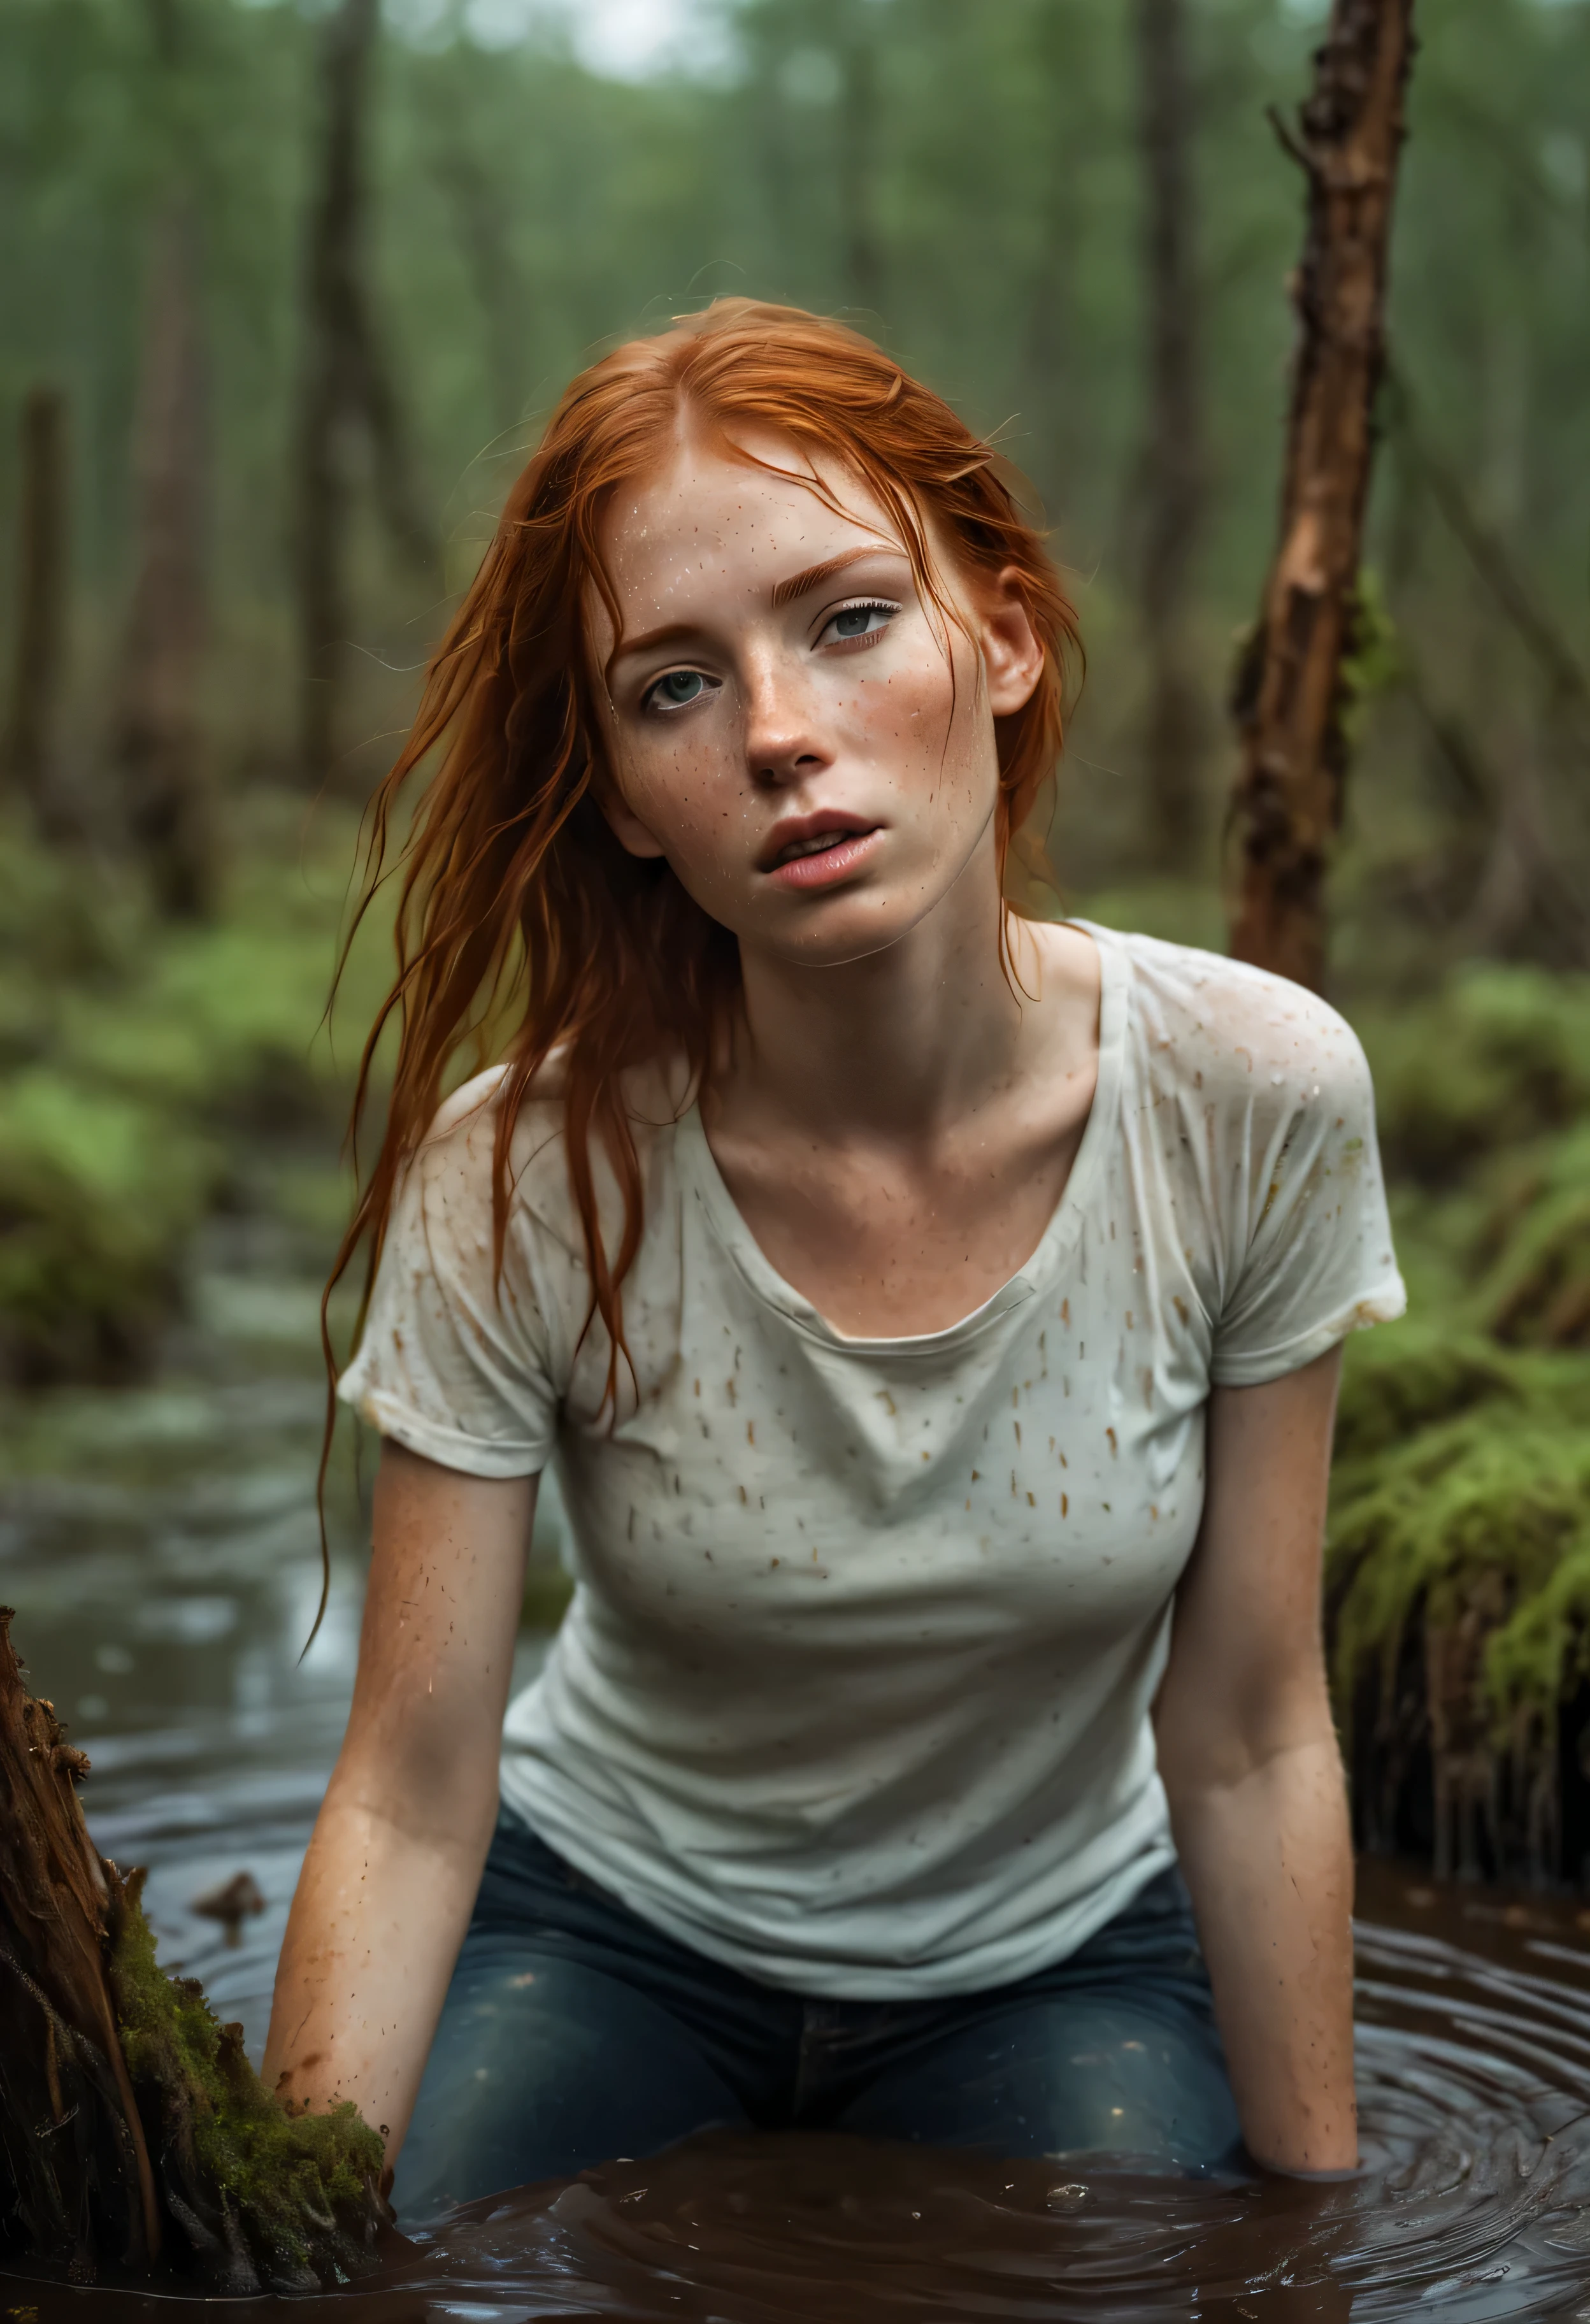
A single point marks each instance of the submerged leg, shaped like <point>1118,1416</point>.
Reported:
<point>541,2066</point>
<point>1114,2050</point>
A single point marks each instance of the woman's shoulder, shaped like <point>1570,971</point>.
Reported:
<point>457,1156</point>
<point>1223,1028</point>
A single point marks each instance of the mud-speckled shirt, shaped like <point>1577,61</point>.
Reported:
<point>853,1693</point>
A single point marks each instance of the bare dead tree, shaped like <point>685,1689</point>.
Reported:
<point>33,740</point>
<point>347,399</point>
<point>1173,483</point>
<point>1288,697</point>
<point>156,746</point>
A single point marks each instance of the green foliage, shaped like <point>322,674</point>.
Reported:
<point>1494,1488</point>
<point>1463,1471</point>
<point>1497,1056</point>
<point>1406,1377</point>
<point>298,2187</point>
<point>148,1074</point>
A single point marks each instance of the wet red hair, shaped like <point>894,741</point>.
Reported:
<point>523,925</point>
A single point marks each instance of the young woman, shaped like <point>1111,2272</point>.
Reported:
<point>934,1314</point>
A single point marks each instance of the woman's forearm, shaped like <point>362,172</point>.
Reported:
<point>1268,1858</point>
<point>390,1880</point>
<point>371,1942</point>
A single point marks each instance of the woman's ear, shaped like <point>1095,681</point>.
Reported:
<point>623,821</point>
<point>1012,658</point>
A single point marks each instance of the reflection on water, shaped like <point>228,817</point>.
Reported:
<point>160,1549</point>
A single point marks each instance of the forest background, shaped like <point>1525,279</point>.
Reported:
<point>287,288</point>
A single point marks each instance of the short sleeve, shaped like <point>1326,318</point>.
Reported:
<point>455,1360</point>
<point>1305,1230</point>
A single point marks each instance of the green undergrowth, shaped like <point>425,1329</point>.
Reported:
<point>297,2189</point>
<point>1461,1489</point>
<point>150,1074</point>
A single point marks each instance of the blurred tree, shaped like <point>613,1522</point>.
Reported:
<point>1173,482</point>
<point>1289,697</point>
<point>32,737</point>
<point>1054,372</point>
<point>858,154</point>
<point>347,392</point>
<point>477,198</point>
<point>157,749</point>
<point>1004,203</point>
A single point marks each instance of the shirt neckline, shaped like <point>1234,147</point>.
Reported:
<point>705,1181</point>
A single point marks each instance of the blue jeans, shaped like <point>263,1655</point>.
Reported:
<point>574,2032</point>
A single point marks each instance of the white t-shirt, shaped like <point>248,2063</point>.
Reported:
<point>854,1690</point>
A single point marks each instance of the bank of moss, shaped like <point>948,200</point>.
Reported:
<point>1458,1554</point>
<point>291,2196</point>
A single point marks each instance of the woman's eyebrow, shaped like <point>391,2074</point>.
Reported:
<point>785,593</point>
<point>674,633</point>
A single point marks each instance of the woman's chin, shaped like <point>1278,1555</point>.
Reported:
<point>840,930</point>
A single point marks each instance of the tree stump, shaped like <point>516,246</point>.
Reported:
<point>133,2132</point>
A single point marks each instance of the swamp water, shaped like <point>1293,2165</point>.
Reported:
<point>159,1548</point>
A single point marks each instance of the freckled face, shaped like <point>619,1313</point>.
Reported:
<point>783,727</point>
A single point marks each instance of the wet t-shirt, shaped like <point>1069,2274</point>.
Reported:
<point>853,1693</point>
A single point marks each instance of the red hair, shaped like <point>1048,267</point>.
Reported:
<point>522,924</point>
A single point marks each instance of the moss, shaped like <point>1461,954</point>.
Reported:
<point>297,2188</point>
<point>1493,1495</point>
<point>1406,1376</point>
<point>1499,1057</point>
<point>143,1071</point>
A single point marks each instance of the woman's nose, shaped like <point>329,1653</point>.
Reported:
<point>783,738</point>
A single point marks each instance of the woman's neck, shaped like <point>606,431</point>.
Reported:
<point>897,1044</point>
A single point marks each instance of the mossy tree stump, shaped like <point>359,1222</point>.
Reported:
<point>133,2132</point>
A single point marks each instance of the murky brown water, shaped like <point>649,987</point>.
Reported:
<point>159,1549</point>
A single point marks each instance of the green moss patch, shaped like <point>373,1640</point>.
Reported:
<point>295,2192</point>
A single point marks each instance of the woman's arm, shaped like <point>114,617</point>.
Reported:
<point>391,1877</point>
<point>1249,1759</point>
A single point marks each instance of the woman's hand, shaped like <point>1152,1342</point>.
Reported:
<point>391,1877</point>
<point>1248,1754</point>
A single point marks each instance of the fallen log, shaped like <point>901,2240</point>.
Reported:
<point>133,2131</point>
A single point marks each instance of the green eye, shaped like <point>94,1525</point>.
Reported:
<point>679,687</point>
<point>860,621</point>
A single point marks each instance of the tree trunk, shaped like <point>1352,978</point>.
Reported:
<point>1288,697</point>
<point>1049,365</point>
<point>156,746</point>
<point>131,2125</point>
<point>347,391</point>
<point>1173,475</point>
<point>857,152</point>
<point>33,741</point>
<point>480,223</point>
